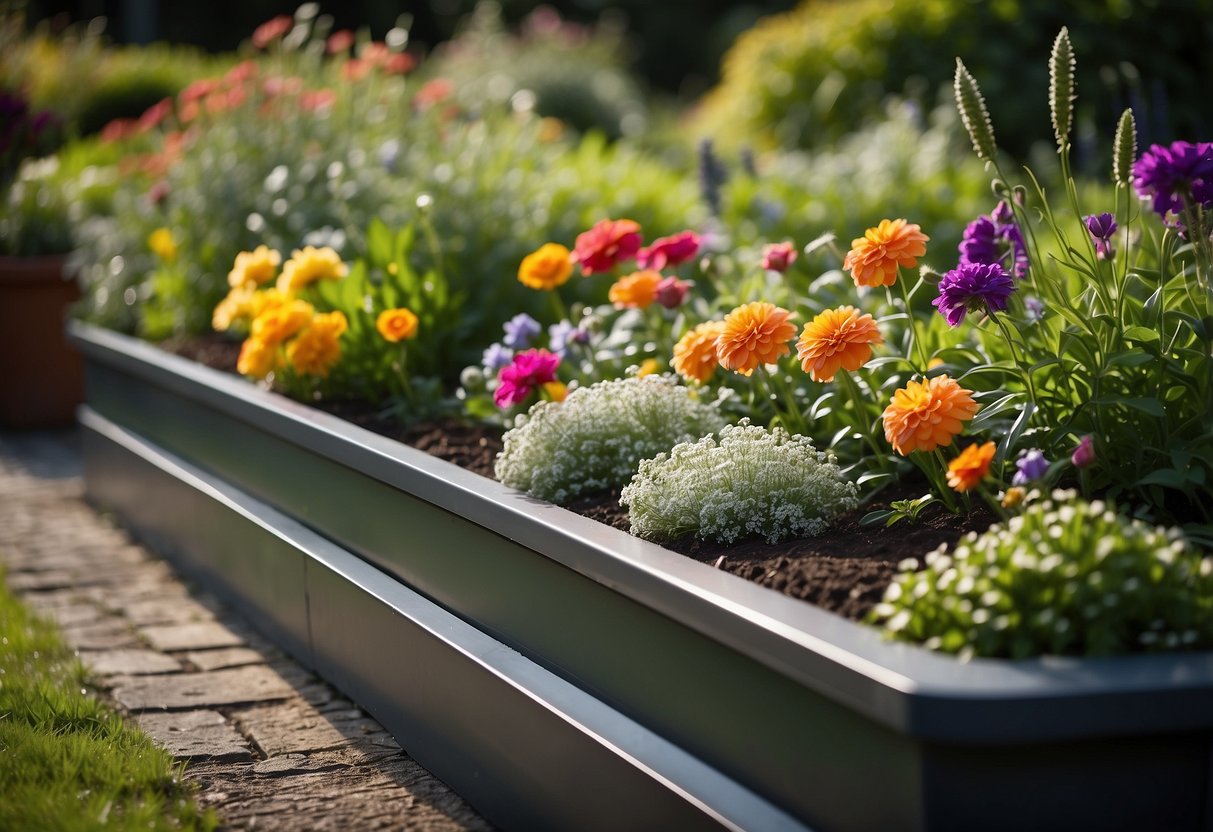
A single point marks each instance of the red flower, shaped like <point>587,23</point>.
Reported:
<point>668,251</point>
<point>606,245</point>
<point>528,370</point>
<point>671,292</point>
<point>271,30</point>
<point>777,257</point>
<point>435,91</point>
<point>399,63</point>
<point>339,41</point>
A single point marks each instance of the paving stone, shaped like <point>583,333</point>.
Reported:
<point>224,657</point>
<point>198,635</point>
<point>179,609</point>
<point>129,662</point>
<point>73,615</point>
<point>102,634</point>
<point>295,726</point>
<point>53,599</point>
<point>196,735</point>
<point>189,691</point>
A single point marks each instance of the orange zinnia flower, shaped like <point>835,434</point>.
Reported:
<point>874,257</point>
<point>837,338</point>
<point>971,467</point>
<point>636,291</point>
<point>396,325</point>
<point>695,353</point>
<point>546,268</point>
<point>754,334</point>
<point>926,414</point>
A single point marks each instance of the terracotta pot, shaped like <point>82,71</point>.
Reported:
<point>41,376</point>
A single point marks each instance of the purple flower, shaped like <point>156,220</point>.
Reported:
<point>496,357</point>
<point>1102,227</point>
<point>519,330</point>
<point>1035,307</point>
<point>976,287</point>
<point>1031,466</point>
<point>1084,454</point>
<point>995,239</point>
<point>1166,173</point>
<point>562,334</point>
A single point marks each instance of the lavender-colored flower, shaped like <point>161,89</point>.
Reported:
<point>520,330</point>
<point>1084,454</point>
<point>1164,174</point>
<point>496,357</point>
<point>562,334</point>
<point>1029,467</point>
<point>995,239</point>
<point>1035,307</point>
<point>1101,228</point>
<point>977,287</point>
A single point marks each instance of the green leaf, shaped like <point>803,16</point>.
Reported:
<point>379,242</point>
<point>1141,333</point>
<point>1167,477</point>
<point>874,476</point>
<point>874,517</point>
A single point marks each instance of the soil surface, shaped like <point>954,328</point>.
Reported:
<point>844,570</point>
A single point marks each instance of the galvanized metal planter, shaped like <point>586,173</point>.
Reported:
<point>562,674</point>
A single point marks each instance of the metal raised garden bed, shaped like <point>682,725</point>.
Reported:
<point>563,674</point>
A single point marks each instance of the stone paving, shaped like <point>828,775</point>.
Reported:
<point>269,745</point>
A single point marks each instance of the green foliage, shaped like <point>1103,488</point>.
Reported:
<point>69,762</point>
<point>595,439</point>
<point>805,78</point>
<point>746,481</point>
<point>1066,577</point>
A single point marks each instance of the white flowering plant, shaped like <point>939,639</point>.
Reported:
<point>746,481</point>
<point>596,438</point>
<point>1064,577</point>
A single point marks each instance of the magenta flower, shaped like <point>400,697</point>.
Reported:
<point>607,244</point>
<point>668,251</point>
<point>776,257</point>
<point>671,292</point>
<point>1084,454</point>
<point>976,287</point>
<point>1165,174</point>
<point>519,379</point>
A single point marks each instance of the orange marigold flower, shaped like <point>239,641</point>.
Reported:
<point>753,334</point>
<point>695,353</point>
<point>874,257</point>
<point>971,467</point>
<point>546,268</point>
<point>309,264</point>
<point>256,267</point>
<point>317,348</point>
<point>396,324</point>
<point>278,323</point>
<point>636,291</point>
<point>257,358</point>
<point>837,338</point>
<point>925,415</point>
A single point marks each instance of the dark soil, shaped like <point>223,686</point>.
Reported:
<point>845,570</point>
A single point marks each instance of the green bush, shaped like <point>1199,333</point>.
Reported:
<point>746,482</point>
<point>595,439</point>
<point>1066,577</point>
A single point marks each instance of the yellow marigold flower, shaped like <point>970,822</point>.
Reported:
<point>636,291</point>
<point>396,324</point>
<point>837,338</point>
<point>309,264</point>
<point>317,348</point>
<point>935,362</point>
<point>161,242</point>
<point>547,267</point>
<point>753,334</point>
<point>1014,496</point>
<point>972,466</point>
<point>278,323</point>
<point>874,257</point>
<point>257,358</point>
<point>255,267</point>
<point>647,367</point>
<point>695,353</point>
<point>237,306</point>
<point>925,415</point>
<point>267,299</point>
<point>556,391</point>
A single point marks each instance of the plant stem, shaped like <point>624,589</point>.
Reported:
<point>912,323</point>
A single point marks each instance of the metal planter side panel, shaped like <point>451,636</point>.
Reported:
<point>178,517</point>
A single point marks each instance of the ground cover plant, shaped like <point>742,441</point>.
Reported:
<point>67,761</point>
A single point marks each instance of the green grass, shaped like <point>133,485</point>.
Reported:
<point>67,761</point>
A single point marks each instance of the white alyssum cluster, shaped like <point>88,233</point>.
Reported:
<point>1066,576</point>
<point>746,482</point>
<point>596,438</point>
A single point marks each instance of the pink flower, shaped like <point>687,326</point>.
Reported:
<point>1084,454</point>
<point>671,292</point>
<point>668,251</point>
<point>518,379</point>
<point>272,29</point>
<point>607,244</point>
<point>777,257</point>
